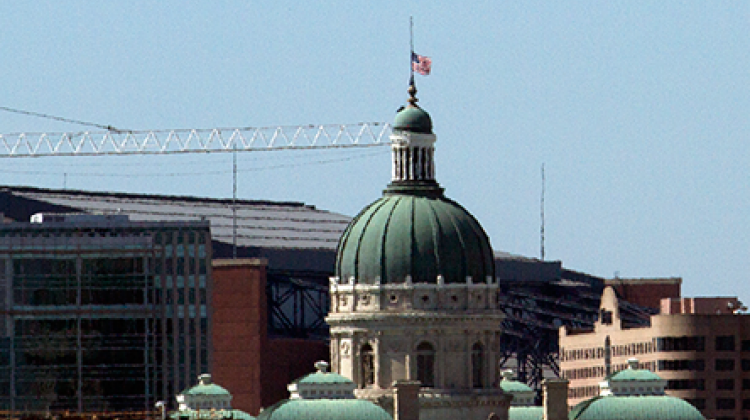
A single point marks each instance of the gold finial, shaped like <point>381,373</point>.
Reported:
<point>412,93</point>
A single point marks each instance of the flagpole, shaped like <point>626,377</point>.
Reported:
<point>411,46</point>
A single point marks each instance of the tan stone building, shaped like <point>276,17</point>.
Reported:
<point>700,346</point>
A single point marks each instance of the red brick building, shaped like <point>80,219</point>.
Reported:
<point>253,367</point>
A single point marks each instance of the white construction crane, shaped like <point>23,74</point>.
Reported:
<point>125,142</point>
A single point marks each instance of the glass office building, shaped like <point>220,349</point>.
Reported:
<point>98,313</point>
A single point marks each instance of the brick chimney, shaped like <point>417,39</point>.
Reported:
<point>555,399</point>
<point>406,400</point>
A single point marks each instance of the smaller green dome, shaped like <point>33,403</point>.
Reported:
<point>635,408</point>
<point>323,378</point>
<point>298,409</point>
<point>509,385</point>
<point>210,389</point>
<point>413,119</point>
<point>640,375</point>
<point>205,386</point>
<point>512,387</point>
<point>633,373</point>
<point>322,384</point>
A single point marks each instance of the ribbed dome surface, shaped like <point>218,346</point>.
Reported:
<point>635,408</point>
<point>414,119</point>
<point>414,232</point>
<point>351,409</point>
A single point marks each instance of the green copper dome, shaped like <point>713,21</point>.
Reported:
<point>635,408</point>
<point>329,409</point>
<point>414,231</point>
<point>512,387</point>
<point>641,375</point>
<point>414,119</point>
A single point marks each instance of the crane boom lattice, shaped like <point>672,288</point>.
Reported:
<point>116,142</point>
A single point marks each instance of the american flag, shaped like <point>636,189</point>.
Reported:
<point>421,64</point>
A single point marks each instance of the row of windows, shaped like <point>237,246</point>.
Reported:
<point>686,343</point>
<point>599,371</point>
<point>694,343</point>
<point>583,373</point>
<point>169,297</point>
<point>632,349</point>
<point>699,384</point>
<point>582,354</point>
<point>641,365</point>
<point>425,365</point>
<point>694,365</point>
<point>584,391</point>
<point>721,403</point>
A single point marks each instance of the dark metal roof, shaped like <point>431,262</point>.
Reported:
<point>262,224</point>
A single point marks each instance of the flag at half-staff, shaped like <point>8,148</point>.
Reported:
<point>420,64</point>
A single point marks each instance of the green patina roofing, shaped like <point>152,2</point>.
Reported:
<point>205,389</point>
<point>414,119</point>
<point>207,414</point>
<point>635,408</point>
<point>512,386</point>
<point>414,230</point>
<point>633,375</point>
<point>526,413</point>
<point>328,409</point>
<point>323,378</point>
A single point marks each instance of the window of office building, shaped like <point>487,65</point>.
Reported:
<point>725,343</point>
<point>687,343</point>
<point>725,404</point>
<point>699,384</point>
<point>725,384</point>
<point>724,364</point>
<point>696,365</point>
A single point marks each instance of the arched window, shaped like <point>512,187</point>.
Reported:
<point>367,365</point>
<point>477,365</point>
<point>426,364</point>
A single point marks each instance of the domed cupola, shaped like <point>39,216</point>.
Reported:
<point>414,233</point>
<point>414,296</point>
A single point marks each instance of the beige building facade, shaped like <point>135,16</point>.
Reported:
<point>700,346</point>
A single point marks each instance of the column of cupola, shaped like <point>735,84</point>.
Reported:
<point>413,163</point>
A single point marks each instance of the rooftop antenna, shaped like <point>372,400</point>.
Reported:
<point>234,204</point>
<point>541,230</point>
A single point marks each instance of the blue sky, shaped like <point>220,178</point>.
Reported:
<point>638,110</point>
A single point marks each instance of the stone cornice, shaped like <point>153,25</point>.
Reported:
<point>443,398</point>
<point>352,286</point>
<point>415,318</point>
